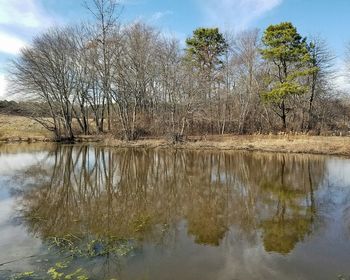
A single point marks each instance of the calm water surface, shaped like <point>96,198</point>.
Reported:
<point>144,214</point>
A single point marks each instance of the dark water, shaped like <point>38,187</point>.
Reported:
<point>143,214</point>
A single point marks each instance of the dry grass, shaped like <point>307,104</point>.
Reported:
<point>330,145</point>
<point>15,128</point>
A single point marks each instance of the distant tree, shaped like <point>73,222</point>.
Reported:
<point>135,72</point>
<point>320,81</point>
<point>290,58</point>
<point>105,13</point>
<point>204,52</point>
<point>206,47</point>
<point>247,71</point>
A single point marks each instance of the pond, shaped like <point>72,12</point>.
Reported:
<point>89,212</point>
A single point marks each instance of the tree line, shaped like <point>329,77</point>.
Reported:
<point>133,81</point>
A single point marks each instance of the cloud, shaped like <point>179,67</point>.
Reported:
<point>236,14</point>
<point>3,86</point>
<point>23,13</point>
<point>19,21</point>
<point>341,80</point>
<point>159,15</point>
<point>153,18</point>
<point>10,44</point>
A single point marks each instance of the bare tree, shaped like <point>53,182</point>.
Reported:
<point>321,80</point>
<point>134,82</point>
<point>46,72</point>
<point>247,70</point>
<point>105,13</point>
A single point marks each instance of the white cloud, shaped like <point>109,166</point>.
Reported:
<point>18,20</point>
<point>342,79</point>
<point>341,82</point>
<point>10,44</point>
<point>153,18</point>
<point>25,13</point>
<point>3,86</point>
<point>159,15</point>
<point>236,14</point>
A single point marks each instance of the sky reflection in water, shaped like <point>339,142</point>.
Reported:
<point>167,214</point>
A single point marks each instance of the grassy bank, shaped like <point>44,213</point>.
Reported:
<point>327,145</point>
<point>15,128</point>
<point>20,129</point>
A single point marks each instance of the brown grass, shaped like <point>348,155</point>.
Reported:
<point>330,145</point>
<point>15,128</point>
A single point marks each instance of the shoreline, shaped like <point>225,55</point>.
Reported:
<point>14,129</point>
<point>297,144</point>
<point>316,145</point>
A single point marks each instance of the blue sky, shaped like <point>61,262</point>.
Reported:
<point>20,20</point>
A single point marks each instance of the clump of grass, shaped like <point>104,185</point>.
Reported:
<point>57,272</point>
<point>60,271</point>
<point>29,275</point>
<point>93,247</point>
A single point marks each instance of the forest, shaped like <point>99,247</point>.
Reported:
<point>133,81</point>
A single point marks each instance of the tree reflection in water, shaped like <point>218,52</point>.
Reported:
<point>106,198</point>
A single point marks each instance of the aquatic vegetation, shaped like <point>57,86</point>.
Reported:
<point>77,247</point>
<point>57,272</point>
<point>142,223</point>
<point>30,275</point>
<point>60,271</point>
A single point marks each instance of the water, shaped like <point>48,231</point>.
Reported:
<point>142,214</point>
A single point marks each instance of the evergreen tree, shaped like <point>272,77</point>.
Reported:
<point>206,47</point>
<point>289,56</point>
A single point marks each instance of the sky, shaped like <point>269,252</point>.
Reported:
<point>21,20</point>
